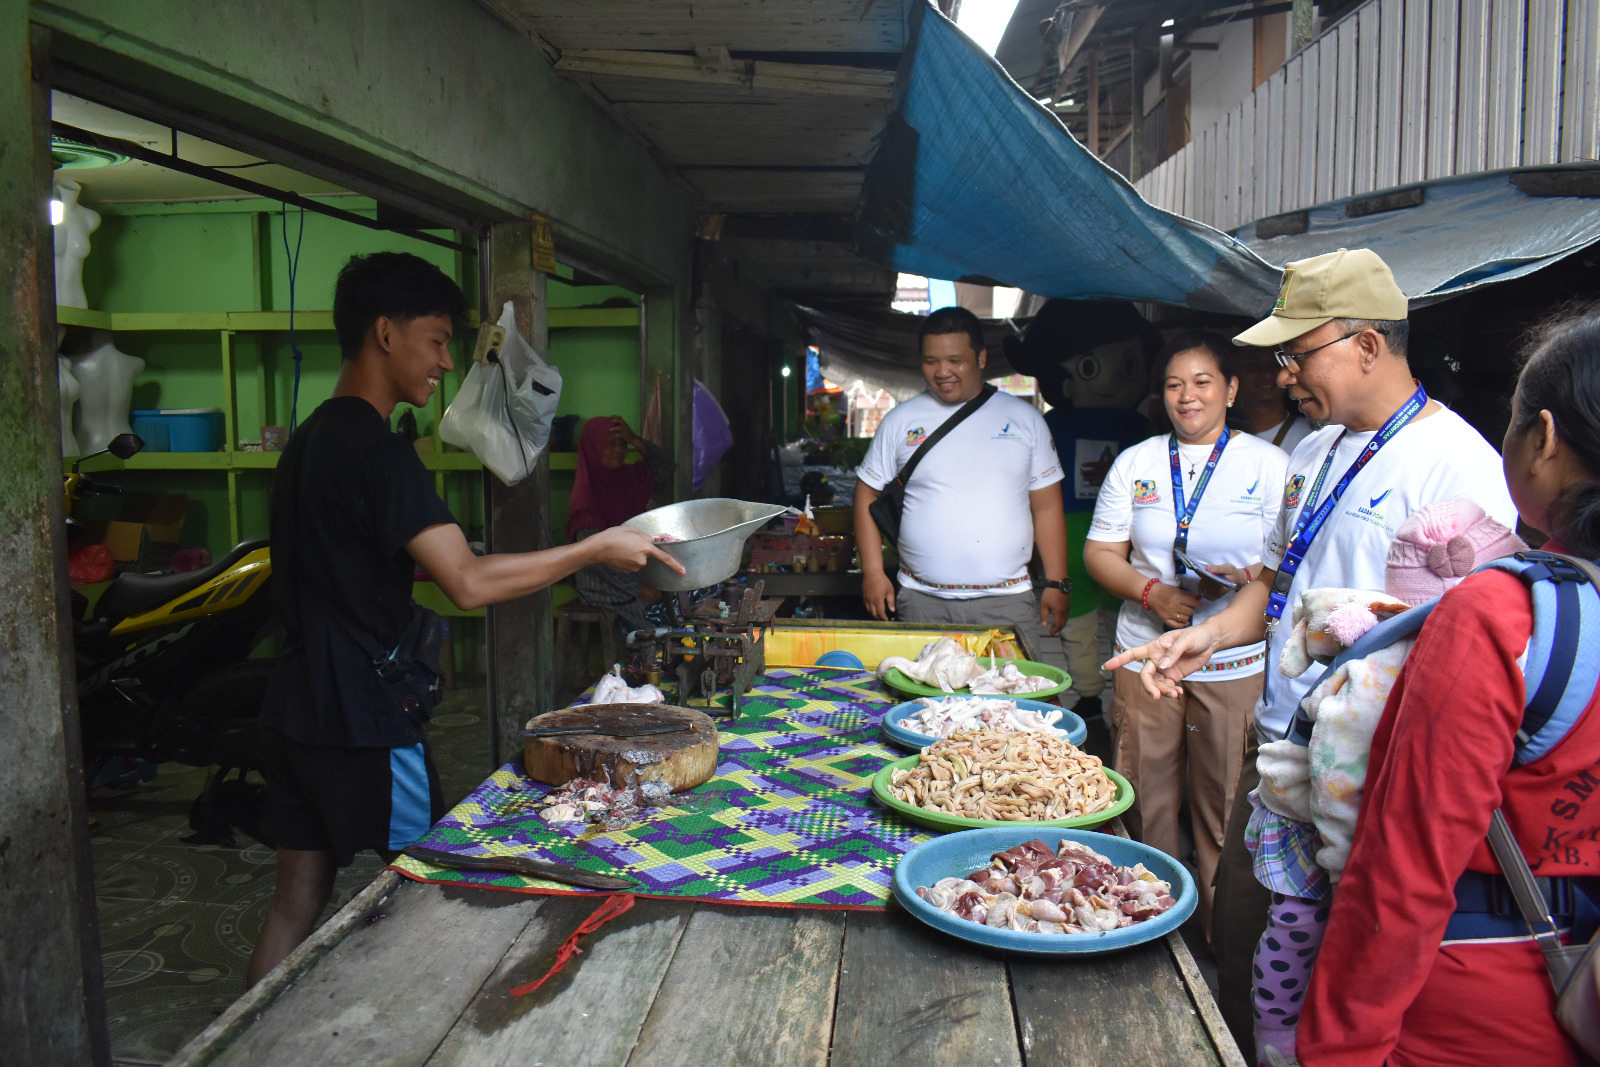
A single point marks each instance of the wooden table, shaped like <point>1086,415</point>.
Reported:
<point>410,973</point>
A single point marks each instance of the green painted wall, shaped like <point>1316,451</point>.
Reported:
<point>436,96</point>
<point>439,94</point>
<point>230,256</point>
<point>599,374</point>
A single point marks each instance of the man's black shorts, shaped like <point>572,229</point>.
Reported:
<point>343,800</point>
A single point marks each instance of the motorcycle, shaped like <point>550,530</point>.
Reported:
<point>171,667</point>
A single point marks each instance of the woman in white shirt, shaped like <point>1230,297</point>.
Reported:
<point>1210,495</point>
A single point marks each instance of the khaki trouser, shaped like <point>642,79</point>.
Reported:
<point>1080,644</point>
<point>1204,732</point>
<point>1008,611</point>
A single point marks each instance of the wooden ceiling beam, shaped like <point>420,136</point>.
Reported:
<point>757,74</point>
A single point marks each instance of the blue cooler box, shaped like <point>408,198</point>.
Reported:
<point>180,429</point>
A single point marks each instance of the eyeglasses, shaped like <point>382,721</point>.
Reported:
<point>1293,360</point>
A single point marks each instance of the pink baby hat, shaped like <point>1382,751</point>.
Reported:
<point>1441,544</point>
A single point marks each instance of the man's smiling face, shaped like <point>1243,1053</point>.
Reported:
<point>953,370</point>
<point>419,355</point>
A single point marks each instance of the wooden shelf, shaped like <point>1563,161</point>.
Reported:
<point>566,318</point>
<point>247,461</point>
<point>239,321</point>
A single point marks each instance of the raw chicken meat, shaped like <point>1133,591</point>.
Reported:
<point>947,664</point>
<point>611,689</point>
<point>944,663</point>
<point>587,801</point>
<point>1074,890</point>
<point>941,718</point>
<point>1008,679</point>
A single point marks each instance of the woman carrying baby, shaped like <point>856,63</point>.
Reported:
<point>1393,982</point>
<point>1209,496</point>
<point>1305,811</point>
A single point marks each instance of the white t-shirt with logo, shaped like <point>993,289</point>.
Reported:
<point>1433,459</point>
<point>1298,430</point>
<point>1237,512</point>
<point>967,529</point>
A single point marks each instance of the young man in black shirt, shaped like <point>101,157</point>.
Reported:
<point>354,512</point>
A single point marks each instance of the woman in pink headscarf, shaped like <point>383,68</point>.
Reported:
<point>609,490</point>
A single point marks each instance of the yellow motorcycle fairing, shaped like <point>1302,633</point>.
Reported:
<point>227,590</point>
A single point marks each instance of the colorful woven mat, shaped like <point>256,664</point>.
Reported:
<point>788,820</point>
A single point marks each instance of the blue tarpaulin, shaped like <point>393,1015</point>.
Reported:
<point>975,179</point>
<point>1468,231</point>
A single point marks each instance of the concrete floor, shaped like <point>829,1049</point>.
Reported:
<point>178,921</point>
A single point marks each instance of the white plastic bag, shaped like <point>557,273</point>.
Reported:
<point>504,410</point>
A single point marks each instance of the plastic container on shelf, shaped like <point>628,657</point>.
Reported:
<point>179,429</point>
<point>152,430</point>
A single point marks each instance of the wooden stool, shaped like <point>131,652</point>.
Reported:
<point>573,620</point>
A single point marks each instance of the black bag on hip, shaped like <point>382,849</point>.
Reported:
<point>891,502</point>
<point>411,669</point>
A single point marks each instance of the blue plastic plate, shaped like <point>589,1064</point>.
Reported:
<point>1071,727</point>
<point>962,853</point>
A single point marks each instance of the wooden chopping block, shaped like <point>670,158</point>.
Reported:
<point>683,759</point>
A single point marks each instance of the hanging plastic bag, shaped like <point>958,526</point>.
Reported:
<point>504,410</point>
<point>712,434</point>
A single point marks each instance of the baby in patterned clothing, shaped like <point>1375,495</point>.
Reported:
<point>1310,795</point>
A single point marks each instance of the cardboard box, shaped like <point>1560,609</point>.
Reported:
<point>145,517</point>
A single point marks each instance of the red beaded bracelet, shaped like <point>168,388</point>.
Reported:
<point>1144,597</point>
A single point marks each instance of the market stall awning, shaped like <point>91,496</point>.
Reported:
<point>880,348</point>
<point>1450,235</point>
<point>975,179</point>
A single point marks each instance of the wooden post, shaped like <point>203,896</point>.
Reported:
<point>707,317</point>
<point>660,328</point>
<point>1136,130</point>
<point>1301,12</point>
<point>1094,101</point>
<point>521,645</point>
<point>52,996</point>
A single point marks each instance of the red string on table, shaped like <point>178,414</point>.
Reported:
<point>614,905</point>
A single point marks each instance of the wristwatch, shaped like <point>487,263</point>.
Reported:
<point>1065,585</point>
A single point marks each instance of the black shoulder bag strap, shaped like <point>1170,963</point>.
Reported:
<point>891,500</point>
<point>410,670</point>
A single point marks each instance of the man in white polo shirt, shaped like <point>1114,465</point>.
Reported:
<point>978,502</point>
<point>1381,451</point>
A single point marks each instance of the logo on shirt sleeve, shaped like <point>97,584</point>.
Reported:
<point>1145,492</point>
<point>916,436</point>
<point>1291,491</point>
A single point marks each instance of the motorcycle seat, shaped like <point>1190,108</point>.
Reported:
<point>132,594</point>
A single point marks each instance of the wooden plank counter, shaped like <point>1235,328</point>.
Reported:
<point>411,973</point>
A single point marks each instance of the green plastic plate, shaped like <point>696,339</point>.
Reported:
<point>1121,802</point>
<point>899,681</point>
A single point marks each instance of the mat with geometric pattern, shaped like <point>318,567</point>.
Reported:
<point>788,820</point>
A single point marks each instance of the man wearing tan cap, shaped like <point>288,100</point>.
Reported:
<point>1381,451</point>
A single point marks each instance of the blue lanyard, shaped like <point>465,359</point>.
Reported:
<point>1311,522</point>
<point>1185,515</point>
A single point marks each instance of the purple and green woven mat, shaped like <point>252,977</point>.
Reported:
<point>788,820</point>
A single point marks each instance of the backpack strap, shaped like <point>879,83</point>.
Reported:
<point>1562,667</point>
<point>1386,633</point>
